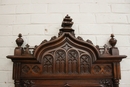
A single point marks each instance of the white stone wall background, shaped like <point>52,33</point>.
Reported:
<point>40,19</point>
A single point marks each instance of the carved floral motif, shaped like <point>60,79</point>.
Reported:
<point>27,83</point>
<point>106,82</point>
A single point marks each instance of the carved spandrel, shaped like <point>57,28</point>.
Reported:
<point>85,64</point>
<point>66,47</point>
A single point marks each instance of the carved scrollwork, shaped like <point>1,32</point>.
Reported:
<point>44,41</point>
<point>47,64</point>
<point>27,83</point>
<point>53,38</point>
<point>89,41</point>
<point>85,64</point>
<point>80,38</point>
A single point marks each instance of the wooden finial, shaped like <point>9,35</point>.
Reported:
<point>112,41</point>
<point>113,50</point>
<point>19,41</point>
<point>67,22</point>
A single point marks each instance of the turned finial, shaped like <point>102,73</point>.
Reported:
<point>112,41</point>
<point>19,41</point>
<point>67,22</point>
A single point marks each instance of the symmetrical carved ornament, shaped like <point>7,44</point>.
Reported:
<point>102,69</point>
<point>85,63</point>
<point>25,69</point>
<point>35,69</point>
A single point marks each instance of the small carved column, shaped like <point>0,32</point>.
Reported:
<point>16,73</point>
<point>116,83</point>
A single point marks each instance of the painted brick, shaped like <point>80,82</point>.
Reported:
<point>125,63</point>
<point>111,18</point>
<point>46,18</point>
<point>95,29</point>
<point>123,40</point>
<point>63,8</point>
<point>102,40</point>
<point>5,51</point>
<point>4,76</point>
<point>7,9</point>
<point>5,30</point>
<point>107,1</point>
<point>7,19</point>
<point>52,29</point>
<point>24,8</point>
<point>122,8</point>
<point>95,8</point>
<point>128,18</point>
<point>6,41</point>
<point>16,1</point>
<point>5,64</point>
<point>121,29</point>
<point>124,51</point>
<point>32,39</point>
<point>28,29</point>
<point>23,19</point>
<point>39,8</point>
<point>73,1</point>
<point>83,18</point>
<point>46,1</point>
<point>7,85</point>
<point>125,77</point>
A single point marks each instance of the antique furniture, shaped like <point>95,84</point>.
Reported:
<point>66,61</point>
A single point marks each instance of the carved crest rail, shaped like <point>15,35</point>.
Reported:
<point>66,61</point>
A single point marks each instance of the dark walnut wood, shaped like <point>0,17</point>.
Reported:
<point>66,61</point>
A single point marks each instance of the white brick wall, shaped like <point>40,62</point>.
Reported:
<point>41,19</point>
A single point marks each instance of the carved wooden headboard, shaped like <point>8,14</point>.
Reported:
<point>66,61</point>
